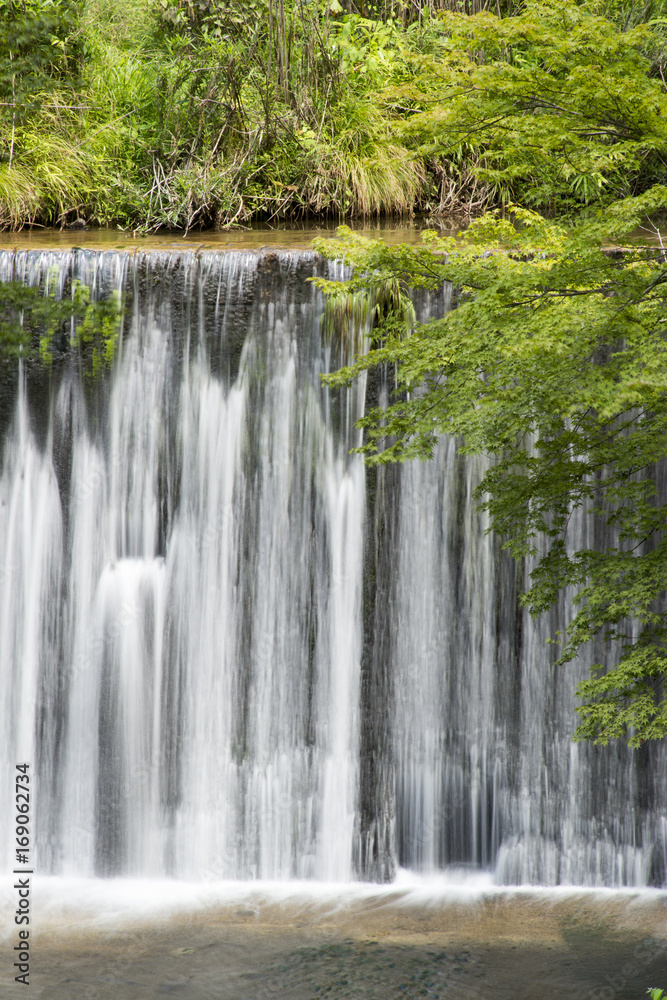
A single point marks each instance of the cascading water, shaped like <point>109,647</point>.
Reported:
<point>486,771</point>
<point>231,652</point>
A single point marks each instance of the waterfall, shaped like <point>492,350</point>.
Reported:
<point>229,651</point>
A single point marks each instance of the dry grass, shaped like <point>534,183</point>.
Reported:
<point>383,180</point>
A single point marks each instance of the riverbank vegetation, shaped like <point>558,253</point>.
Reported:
<point>196,113</point>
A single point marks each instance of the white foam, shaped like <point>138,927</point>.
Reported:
<point>91,905</point>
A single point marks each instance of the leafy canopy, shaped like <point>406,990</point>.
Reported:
<point>555,108</point>
<point>555,363</point>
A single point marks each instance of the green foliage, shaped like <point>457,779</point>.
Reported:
<point>181,113</point>
<point>34,323</point>
<point>42,46</point>
<point>554,108</point>
<point>198,19</point>
<point>125,24</point>
<point>184,113</point>
<point>205,113</point>
<point>44,51</point>
<point>627,14</point>
<point>289,125</point>
<point>554,362</point>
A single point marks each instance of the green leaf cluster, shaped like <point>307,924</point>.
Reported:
<point>34,323</point>
<point>42,46</point>
<point>555,363</point>
<point>555,108</point>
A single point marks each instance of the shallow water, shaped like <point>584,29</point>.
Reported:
<point>429,938</point>
<point>258,237</point>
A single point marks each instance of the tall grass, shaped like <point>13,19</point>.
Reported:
<point>184,114</point>
<point>196,115</point>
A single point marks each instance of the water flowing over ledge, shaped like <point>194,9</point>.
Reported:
<point>90,906</point>
<point>231,652</point>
